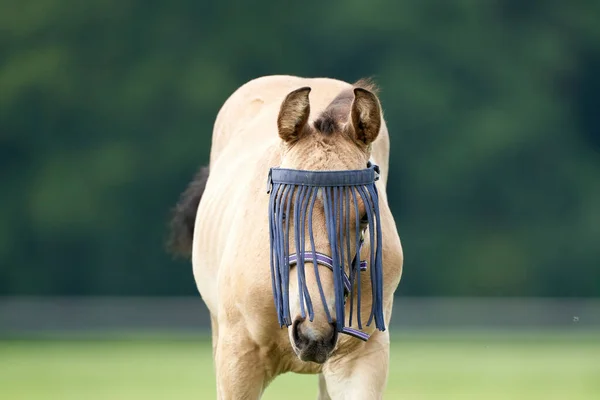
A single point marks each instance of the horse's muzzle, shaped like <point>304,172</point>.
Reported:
<point>313,346</point>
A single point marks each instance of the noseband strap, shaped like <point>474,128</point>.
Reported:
<point>339,193</point>
<point>325,260</point>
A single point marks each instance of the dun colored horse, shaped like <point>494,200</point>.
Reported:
<point>294,249</point>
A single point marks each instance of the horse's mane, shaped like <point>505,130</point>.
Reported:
<point>367,84</point>
<point>336,113</point>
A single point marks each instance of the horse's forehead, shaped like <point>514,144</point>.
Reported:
<point>332,157</point>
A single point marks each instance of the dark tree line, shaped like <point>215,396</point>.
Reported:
<point>106,112</point>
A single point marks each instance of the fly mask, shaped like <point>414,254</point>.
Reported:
<point>340,191</point>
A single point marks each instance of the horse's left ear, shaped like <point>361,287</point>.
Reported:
<point>366,116</point>
<point>293,114</point>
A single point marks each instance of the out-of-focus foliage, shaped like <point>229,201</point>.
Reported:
<point>106,111</point>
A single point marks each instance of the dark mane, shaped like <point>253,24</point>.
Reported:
<point>338,110</point>
<point>367,84</point>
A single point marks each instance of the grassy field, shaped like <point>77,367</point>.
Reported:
<point>424,366</point>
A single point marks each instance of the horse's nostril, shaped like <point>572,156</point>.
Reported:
<point>299,338</point>
<point>334,336</point>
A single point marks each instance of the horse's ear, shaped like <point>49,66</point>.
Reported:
<point>366,116</point>
<point>293,114</point>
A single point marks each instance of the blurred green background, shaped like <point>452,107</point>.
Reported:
<point>106,112</point>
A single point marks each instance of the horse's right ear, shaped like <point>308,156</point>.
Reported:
<point>293,114</point>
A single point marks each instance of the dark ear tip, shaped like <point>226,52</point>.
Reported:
<point>363,92</point>
<point>303,90</point>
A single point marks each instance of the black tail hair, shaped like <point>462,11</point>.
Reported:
<point>183,215</point>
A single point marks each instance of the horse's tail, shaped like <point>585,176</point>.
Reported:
<point>183,217</point>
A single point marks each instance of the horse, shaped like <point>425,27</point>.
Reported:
<point>229,222</point>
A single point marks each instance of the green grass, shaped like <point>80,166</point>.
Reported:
<point>424,366</point>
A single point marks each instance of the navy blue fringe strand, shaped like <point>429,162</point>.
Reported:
<point>297,191</point>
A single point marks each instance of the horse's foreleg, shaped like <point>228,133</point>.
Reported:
<point>323,393</point>
<point>361,374</point>
<point>214,330</point>
<point>240,370</point>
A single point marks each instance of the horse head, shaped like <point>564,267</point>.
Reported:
<point>323,201</point>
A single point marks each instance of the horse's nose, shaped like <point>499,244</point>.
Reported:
<point>312,344</point>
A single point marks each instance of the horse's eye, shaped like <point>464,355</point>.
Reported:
<point>365,219</point>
